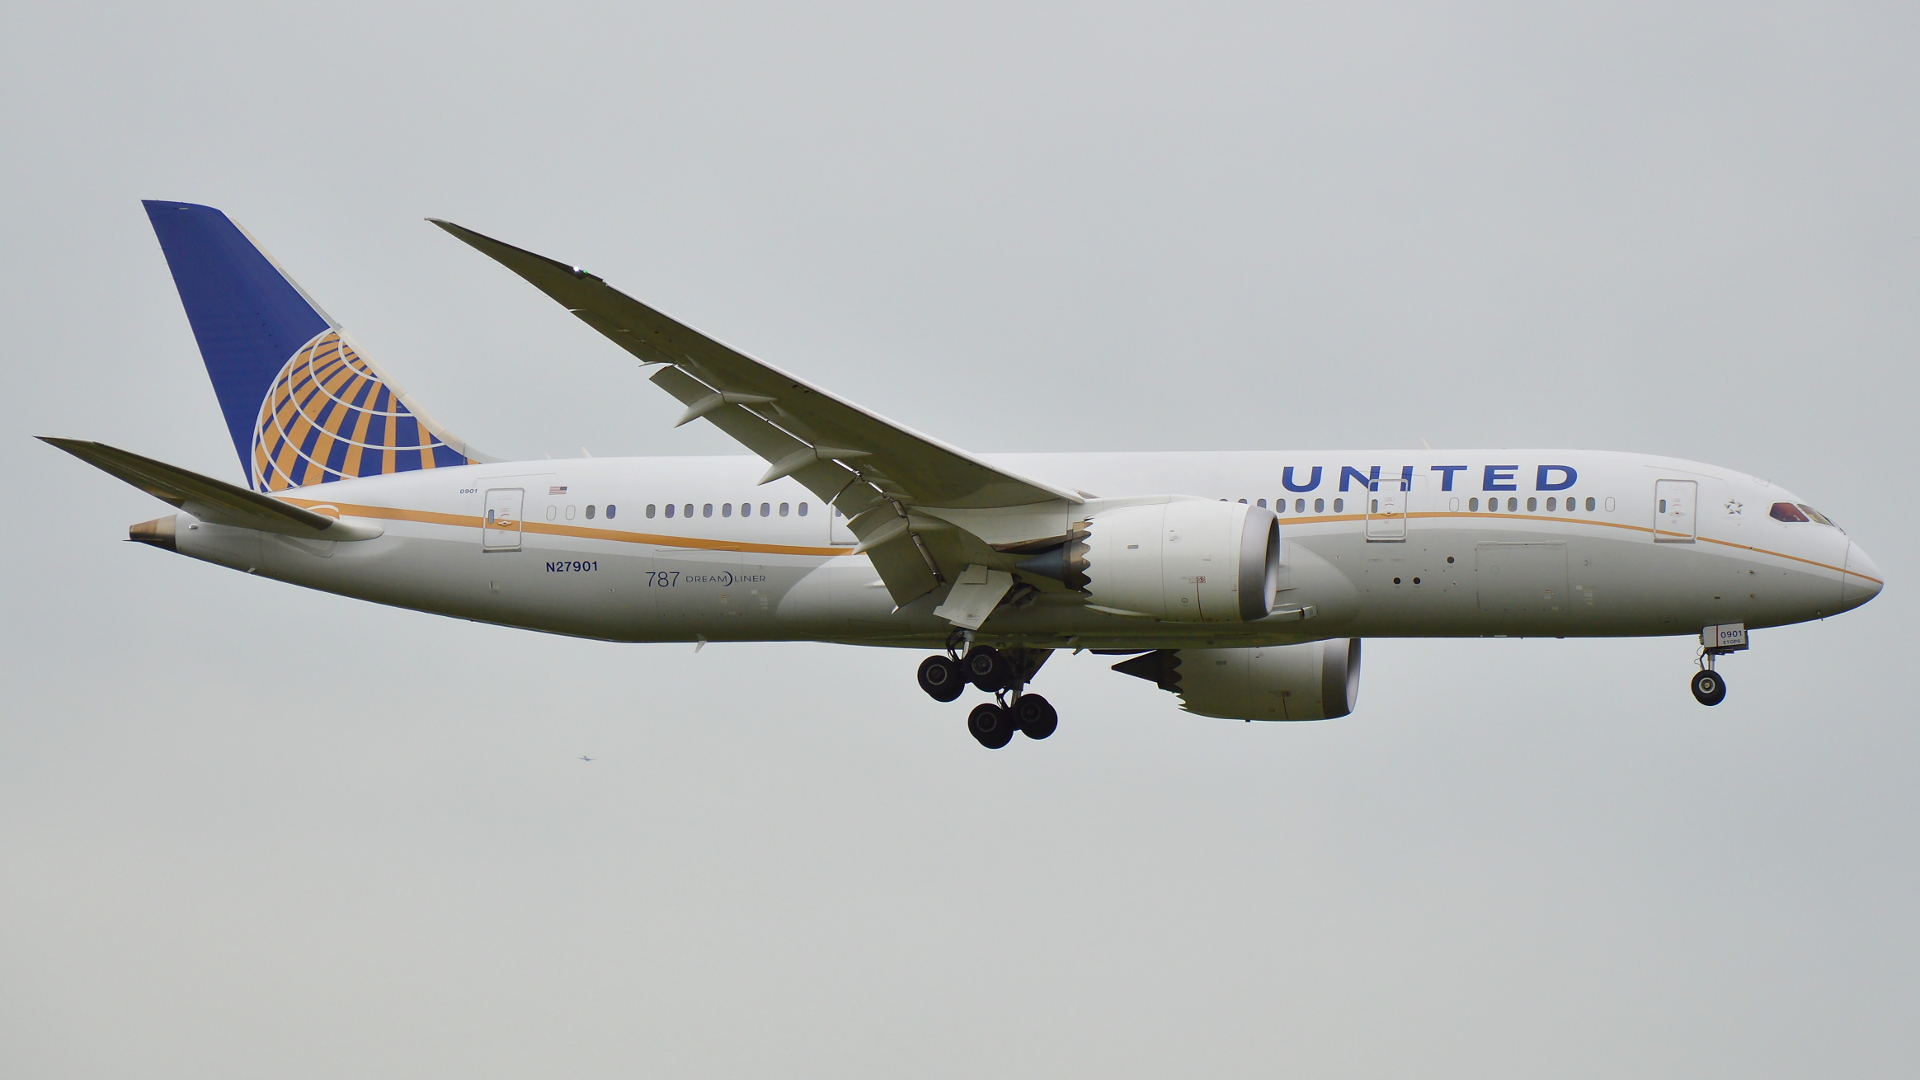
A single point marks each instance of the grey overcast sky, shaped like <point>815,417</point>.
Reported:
<point>247,830</point>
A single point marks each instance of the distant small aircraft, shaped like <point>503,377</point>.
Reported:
<point>584,757</point>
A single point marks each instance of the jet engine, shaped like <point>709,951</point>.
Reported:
<point>1319,680</point>
<point>1183,560</point>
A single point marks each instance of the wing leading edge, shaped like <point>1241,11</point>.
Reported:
<point>879,473</point>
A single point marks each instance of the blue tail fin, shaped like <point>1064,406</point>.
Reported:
<point>303,406</point>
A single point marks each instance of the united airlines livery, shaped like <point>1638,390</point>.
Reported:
<point>1243,583</point>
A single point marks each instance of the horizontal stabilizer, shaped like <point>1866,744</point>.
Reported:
<point>213,500</point>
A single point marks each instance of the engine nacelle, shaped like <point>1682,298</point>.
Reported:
<point>1318,680</point>
<point>1183,560</point>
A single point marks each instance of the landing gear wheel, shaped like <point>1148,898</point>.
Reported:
<point>1035,715</point>
<point>1708,687</point>
<point>988,669</point>
<point>991,724</point>
<point>941,678</point>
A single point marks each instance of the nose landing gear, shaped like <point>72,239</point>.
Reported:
<point>1708,687</point>
<point>1002,674</point>
<point>1715,641</point>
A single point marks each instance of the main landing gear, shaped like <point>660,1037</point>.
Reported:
<point>1002,674</point>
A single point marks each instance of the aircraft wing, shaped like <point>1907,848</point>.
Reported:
<point>876,471</point>
<point>213,500</point>
<point>915,466</point>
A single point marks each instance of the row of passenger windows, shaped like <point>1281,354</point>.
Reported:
<point>553,511</point>
<point>686,510</point>
<point>1780,511</point>
<point>1533,504</point>
<point>1300,505</point>
<point>1513,504</point>
<point>726,510</point>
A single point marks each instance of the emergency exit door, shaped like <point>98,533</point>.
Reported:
<point>501,531</point>
<point>1673,511</point>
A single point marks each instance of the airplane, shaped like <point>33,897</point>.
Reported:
<point>1243,583</point>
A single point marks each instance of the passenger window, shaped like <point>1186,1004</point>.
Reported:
<point>552,511</point>
<point>569,511</point>
<point>746,509</point>
<point>1787,512</point>
<point>1260,503</point>
<point>706,510</point>
<point>1589,502</point>
<point>783,509</point>
<point>1609,506</point>
<point>803,509</point>
<point>1453,504</point>
<point>1550,504</point>
<point>763,509</point>
<point>589,511</point>
<point>489,517</point>
<point>1319,506</point>
<point>609,511</point>
<point>687,511</point>
<point>1473,505</point>
<point>1243,502</point>
<point>726,509</point>
<point>669,509</point>
<point>1532,504</point>
<point>1339,506</point>
<point>650,510</point>
<point>1299,506</point>
<point>1513,505</point>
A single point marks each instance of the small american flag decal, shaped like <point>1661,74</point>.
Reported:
<point>557,489</point>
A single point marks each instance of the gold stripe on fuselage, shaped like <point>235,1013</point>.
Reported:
<point>426,517</point>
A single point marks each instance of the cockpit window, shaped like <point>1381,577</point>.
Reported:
<point>1815,514</point>
<point>1787,512</point>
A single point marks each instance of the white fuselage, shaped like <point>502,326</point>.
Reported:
<point>594,553</point>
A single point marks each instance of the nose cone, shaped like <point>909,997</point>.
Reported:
<point>1862,580</point>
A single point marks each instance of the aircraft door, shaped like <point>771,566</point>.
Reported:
<point>1386,509</point>
<point>1673,511</point>
<point>501,531</point>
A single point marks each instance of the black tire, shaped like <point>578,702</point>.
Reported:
<point>1708,687</point>
<point>1036,716</point>
<point>990,724</point>
<point>988,669</point>
<point>941,678</point>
